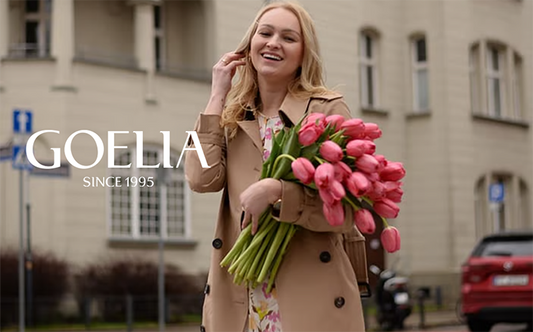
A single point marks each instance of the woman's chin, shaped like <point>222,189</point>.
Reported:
<point>271,74</point>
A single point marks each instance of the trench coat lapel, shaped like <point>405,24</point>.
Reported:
<point>251,128</point>
<point>291,110</point>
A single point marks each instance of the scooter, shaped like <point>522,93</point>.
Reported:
<point>392,299</point>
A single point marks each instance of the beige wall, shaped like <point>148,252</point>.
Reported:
<point>104,30</point>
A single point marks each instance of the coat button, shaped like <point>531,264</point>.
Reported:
<point>325,256</point>
<point>339,302</point>
<point>217,243</point>
<point>202,328</point>
<point>207,288</point>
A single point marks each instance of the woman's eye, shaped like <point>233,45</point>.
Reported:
<point>290,39</point>
<point>266,34</point>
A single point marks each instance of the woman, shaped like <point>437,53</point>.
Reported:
<point>280,79</point>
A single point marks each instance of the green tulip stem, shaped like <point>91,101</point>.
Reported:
<point>256,242</point>
<point>281,156</point>
<point>266,242</point>
<point>280,235</point>
<point>292,229</point>
<point>320,160</point>
<point>349,201</point>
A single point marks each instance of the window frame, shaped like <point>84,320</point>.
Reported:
<point>417,66</point>
<point>44,33</point>
<point>159,34</point>
<point>509,77</point>
<point>495,75</point>
<point>135,197</point>
<point>365,63</point>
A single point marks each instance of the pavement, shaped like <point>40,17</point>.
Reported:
<point>431,319</point>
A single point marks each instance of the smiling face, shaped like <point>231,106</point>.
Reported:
<point>276,47</point>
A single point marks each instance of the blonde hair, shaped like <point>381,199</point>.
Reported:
<point>308,81</point>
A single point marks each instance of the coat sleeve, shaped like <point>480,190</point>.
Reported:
<point>303,206</point>
<point>213,144</point>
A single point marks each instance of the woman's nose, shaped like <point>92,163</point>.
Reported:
<point>273,42</point>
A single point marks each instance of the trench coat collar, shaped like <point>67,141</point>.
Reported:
<point>291,111</point>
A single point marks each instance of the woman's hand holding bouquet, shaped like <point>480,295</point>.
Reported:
<point>335,157</point>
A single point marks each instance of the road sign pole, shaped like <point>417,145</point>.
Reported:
<point>29,258</point>
<point>21,251</point>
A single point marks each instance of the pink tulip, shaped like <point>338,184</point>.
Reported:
<point>372,177</point>
<point>318,119</point>
<point>364,221</point>
<point>337,190</point>
<point>377,192</point>
<point>353,128</point>
<point>394,171</point>
<point>331,151</point>
<point>392,185</point>
<point>334,213</point>
<point>335,121</point>
<point>395,195</point>
<point>372,130</point>
<point>324,175</point>
<point>369,147</point>
<point>303,170</point>
<point>367,163</point>
<point>390,239</point>
<point>355,148</point>
<point>342,171</point>
<point>382,161</point>
<point>358,184</point>
<point>309,133</point>
<point>386,208</point>
<point>326,196</point>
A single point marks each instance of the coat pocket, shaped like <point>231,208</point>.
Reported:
<point>354,246</point>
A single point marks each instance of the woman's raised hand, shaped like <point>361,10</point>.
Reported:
<point>223,72</point>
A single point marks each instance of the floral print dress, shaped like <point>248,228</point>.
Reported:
<point>263,311</point>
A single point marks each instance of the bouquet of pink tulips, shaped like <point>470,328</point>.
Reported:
<point>337,158</point>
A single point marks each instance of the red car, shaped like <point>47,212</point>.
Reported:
<point>497,281</point>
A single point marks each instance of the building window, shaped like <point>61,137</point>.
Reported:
<point>420,75</point>
<point>512,212</point>
<point>35,39</point>
<point>159,37</point>
<point>368,69</point>
<point>496,81</point>
<point>517,87</point>
<point>142,211</point>
<point>474,78</point>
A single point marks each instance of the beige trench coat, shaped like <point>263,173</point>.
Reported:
<point>316,285</point>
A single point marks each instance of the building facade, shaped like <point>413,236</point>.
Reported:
<point>447,82</point>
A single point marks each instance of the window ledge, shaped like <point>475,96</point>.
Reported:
<point>518,123</point>
<point>181,243</point>
<point>109,64</point>
<point>420,114</point>
<point>27,59</point>
<point>372,110</point>
<point>203,77</point>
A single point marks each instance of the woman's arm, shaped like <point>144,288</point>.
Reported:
<point>213,143</point>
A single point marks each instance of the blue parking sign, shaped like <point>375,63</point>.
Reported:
<point>22,121</point>
<point>496,192</point>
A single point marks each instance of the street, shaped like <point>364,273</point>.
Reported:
<point>464,328</point>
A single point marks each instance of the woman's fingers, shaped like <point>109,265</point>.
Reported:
<point>246,217</point>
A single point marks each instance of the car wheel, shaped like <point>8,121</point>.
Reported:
<point>476,325</point>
